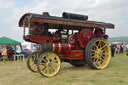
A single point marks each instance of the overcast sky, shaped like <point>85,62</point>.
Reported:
<point>112,11</point>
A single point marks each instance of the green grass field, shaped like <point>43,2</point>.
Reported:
<point>17,73</point>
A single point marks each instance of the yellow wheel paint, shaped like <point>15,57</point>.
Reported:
<point>32,60</point>
<point>101,54</point>
<point>49,64</point>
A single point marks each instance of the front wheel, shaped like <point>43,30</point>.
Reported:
<point>98,53</point>
<point>32,61</point>
<point>48,64</point>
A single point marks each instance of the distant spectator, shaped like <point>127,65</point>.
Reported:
<point>118,48</point>
<point>113,50</point>
<point>127,49</point>
<point>4,53</point>
<point>34,48</point>
<point>121,48</point>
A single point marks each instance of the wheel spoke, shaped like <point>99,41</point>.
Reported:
<point>102,59</point>
<point>95,56</point>
<point>92,55</point>
<point>42,67</point>
<point>43,64</point>
<point>98,62</point>
<point>103,46</point>
<point>46,68</point>
<point>53,70</point>
<point>55,61</point>
<point>96,47</point>
<point>44,60</point>
<point>99,44</point>
<point>94,59</point>
<point>50,71</point>
<point>94,51</point>
<point>102,50</point>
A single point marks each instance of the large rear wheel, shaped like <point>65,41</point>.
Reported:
<point>98,53</point>
<point>32,61</point>
<point>48,64</point>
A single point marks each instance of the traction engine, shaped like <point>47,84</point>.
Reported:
<point>71,38</point>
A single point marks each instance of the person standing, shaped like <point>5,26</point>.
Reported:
<point>118,48</point>
<point>121,48</point>
<point>4,53</point>
<point>34,48</point>
<point>112,50</point>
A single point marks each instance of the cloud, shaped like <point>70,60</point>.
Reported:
<point>113,11</point>
<point>6,4</point>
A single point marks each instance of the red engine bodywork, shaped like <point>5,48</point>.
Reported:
<point>85,36</point>
<point>73,55</point>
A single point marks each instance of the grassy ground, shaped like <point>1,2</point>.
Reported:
<point>16,73</point>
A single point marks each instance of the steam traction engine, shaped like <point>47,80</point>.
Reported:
<point>71,38</point>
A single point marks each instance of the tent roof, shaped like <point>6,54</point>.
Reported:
<point>8,41</point>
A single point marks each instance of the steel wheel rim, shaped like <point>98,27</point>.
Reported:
<point>49,64</point>
<point>33,61</point>
<point>101,54</point>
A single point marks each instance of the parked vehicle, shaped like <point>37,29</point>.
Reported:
<point>75,40</point>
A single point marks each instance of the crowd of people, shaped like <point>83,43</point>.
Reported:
<point>118,48</point>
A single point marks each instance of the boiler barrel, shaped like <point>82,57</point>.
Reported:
<point>74,16</point>
<point>63,47</point>
<point>58,47</point>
